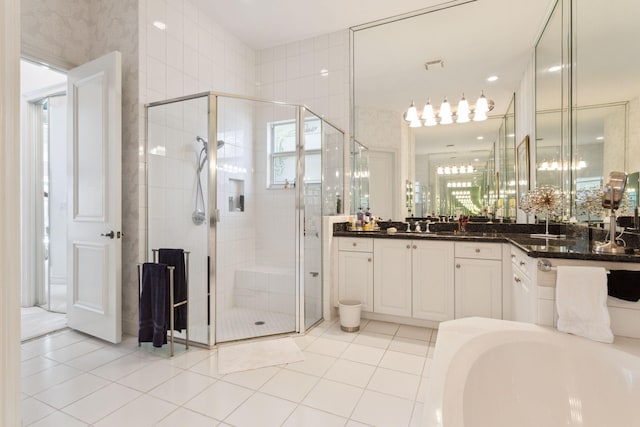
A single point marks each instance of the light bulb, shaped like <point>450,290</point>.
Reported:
<point>445,113</point>
<point>431,121</point>
<point>554,166</point>
<point>454,169</point>
<point>440,170</point>
<point>427,112</point>
<point>415,123</point>
<point>412,113</point>
<point>447,170</point>
<point>463,110</point>
<point>482,105</point>
<point>582,164</point>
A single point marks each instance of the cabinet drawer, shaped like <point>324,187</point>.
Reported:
<point>355,244</point>
<point>521,262</point>
<point>478,250</point>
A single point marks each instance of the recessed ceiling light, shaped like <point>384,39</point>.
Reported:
<point>492,78</point>
<point>476,160</point>
<point>600,138</point>
<point>480,138</point>
<point>160,25</point>
<point>554,68</point>
<point>324,72</point>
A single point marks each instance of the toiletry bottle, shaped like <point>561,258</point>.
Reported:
<point>367,214</point>
<point>360,217</point>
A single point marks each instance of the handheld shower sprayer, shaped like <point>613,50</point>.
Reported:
<point>201,149</point>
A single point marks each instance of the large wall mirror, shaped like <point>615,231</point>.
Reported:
<point>444,52</point>
<point>588,114</point>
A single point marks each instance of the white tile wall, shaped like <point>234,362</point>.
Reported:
<point>194,54</point>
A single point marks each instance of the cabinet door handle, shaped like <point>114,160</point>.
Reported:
<point>522,263</point>
<point>415,247</point>
<point>354,243</point>
<point>408,246</point>
<point>517,279</point>
<point>457,265</point>
<point>369,259</point>
<point>477,250</point>
<point>513,256</point>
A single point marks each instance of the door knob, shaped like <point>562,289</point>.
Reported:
<point>110,234</point>
<point>457,265</point>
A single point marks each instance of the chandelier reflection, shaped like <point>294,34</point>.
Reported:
<point>455,170</point>
<point>558,166</point>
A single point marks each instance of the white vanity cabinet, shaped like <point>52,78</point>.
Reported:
<point>478,280</point>
<point>414,278</point>
<point>355,270</point>
<point>392,277</point>
<point>524,299</point>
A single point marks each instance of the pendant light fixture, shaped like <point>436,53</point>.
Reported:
<point>464,112</point>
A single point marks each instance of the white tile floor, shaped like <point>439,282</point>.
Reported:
<point>375,377</point>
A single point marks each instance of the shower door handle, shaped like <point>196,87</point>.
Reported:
<point>216,215</point>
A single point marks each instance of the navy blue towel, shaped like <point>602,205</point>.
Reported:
<point>154,304</point>
<point>175,258</point>
<point>624,284</point>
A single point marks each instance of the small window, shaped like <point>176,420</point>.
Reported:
<point>282,152</point>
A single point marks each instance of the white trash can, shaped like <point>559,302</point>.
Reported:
<point>350,315</point>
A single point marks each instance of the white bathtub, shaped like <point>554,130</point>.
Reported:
<point>494,373</point>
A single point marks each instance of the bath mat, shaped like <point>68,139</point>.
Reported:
<point>257,354</point>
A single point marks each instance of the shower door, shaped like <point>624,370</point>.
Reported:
<point>255,236</point>
<point>322,195</point>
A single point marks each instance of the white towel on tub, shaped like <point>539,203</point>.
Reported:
<point>581,301</point>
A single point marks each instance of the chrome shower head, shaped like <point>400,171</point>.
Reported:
<point>220,143</point>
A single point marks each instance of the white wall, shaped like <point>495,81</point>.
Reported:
<point>633,145</point>
<point>10,213</point>
<point>526,122</point>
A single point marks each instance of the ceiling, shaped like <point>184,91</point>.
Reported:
<point>267,23</point>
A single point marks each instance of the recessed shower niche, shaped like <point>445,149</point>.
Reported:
<point>236,195</point>
<point>213,188</point>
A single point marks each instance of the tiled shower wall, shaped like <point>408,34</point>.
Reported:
<point>194,54</point>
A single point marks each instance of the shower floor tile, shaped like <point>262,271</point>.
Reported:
<point>240,323</point>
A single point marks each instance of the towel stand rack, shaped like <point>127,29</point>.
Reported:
<point>172,304</point>
<point>545,265</point>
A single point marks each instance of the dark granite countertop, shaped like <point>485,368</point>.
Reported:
<point>571,247</point>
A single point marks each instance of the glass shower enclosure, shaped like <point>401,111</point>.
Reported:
<point>243,184</point>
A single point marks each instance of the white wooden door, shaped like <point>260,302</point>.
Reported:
<point>433,280</point>
<point>392,277</point>
<point>94,191</point>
